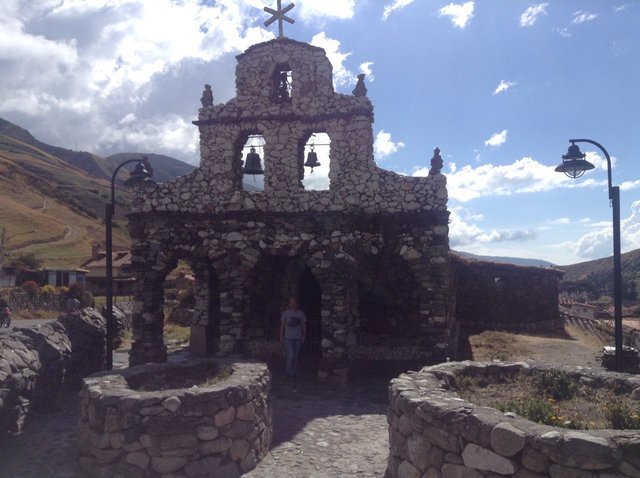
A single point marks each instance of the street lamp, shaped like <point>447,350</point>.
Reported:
<point>139,178</point>
<point>574,165</point>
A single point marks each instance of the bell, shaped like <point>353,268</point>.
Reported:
<point>252,164</point>
<point>312,159</point>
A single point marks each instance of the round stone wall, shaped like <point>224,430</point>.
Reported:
<point>434,433</point>
<point>176,419</point>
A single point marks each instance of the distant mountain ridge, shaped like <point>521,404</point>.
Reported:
<point>518,261</point>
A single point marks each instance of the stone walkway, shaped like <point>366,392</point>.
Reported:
<point>320,431</point>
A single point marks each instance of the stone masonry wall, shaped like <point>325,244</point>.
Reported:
<point>505,296</point>
<point>36,363</point>
<point>132,429</point>
<point>433,433</point>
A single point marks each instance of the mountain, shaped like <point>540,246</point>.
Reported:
<point>598,275</point>
<point>94,165</point>
<point>52,199</point>
<point>518,261</point>
<point>165,168</point>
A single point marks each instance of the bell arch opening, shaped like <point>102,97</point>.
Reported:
<point>314,161</point>
<point>249,162</point>
<point>282,79</point>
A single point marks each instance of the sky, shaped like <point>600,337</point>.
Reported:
<point>500,86</point>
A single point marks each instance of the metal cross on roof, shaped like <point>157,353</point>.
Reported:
<point>279,15</point>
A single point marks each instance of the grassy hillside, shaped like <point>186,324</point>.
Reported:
<point>52,199</point>
<point>50,208</point>
<point>599,273</point>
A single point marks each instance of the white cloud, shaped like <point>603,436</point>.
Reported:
<point>395,5</point>
<point>582,17</point>
<point>504,86</point>
<point>342,77</point>
<point>460,14</point>
<point>497,139</point>
<point>562,220</point>
<point>525,175</point>
<point>105,59</point>
<point>313,9</point>
<point>629,185</point>
<point>563,32</point>
<point>621,8</point>
<point>384,146</point>
<point>367,70</point>
<point>463,233</point>
<point>531,14</point>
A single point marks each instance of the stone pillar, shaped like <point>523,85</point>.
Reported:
<point>148,323</point>
<point>204,326</point>
<point>339,322</point>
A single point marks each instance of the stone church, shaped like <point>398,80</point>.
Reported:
<point>368,257</point>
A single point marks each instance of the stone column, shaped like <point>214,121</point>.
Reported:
<point>148,323</point>
<point>339,321</point>
<point>203,338</point>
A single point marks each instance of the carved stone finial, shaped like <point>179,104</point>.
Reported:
<point>436,162</point>
<point>360,89</point>
<point>207,96</point>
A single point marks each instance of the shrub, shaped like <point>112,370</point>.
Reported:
<point>75,291</point>
<point>30,287</point>
<point>556,384</point>
<point>48,289</point>
<point>620,415</point>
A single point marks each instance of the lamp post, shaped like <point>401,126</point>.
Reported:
<point>574,165</point>
<point>139,177</point>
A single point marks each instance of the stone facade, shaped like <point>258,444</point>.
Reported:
<point>338,249</point>
<point>433,433</point>
<point>35,364</point>
<point>135,425</point>
<point>491,295</point>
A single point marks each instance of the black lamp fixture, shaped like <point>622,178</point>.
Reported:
<point>574,165</point>
<point>139,179</point>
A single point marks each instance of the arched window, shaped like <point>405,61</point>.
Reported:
<point>282,79</point>
<point>314,165</point>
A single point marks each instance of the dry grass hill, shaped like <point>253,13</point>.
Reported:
<point>52,199</point>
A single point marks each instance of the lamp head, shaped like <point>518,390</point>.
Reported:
<point>573,163</point>
<point>140,178</point>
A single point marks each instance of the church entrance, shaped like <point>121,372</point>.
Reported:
<point>310,297</point>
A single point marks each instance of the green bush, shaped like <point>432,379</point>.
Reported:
<point>620,415</point>
<point>556,384</point>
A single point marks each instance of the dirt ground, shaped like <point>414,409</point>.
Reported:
<point>574,347</point>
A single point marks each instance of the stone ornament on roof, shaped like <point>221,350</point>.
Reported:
<point>280,16</point>
<point>436,163</point>
<point>360,89</point>
<point>207,96</point>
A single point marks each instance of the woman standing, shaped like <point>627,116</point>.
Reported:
<point>293,329</point>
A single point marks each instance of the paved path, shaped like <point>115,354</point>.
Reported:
<point>320,431</point>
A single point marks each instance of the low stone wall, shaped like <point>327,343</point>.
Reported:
<point>220,430</point>
<point>434,433</point>
<point>35,364</point>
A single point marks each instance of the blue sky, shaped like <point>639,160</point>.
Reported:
<point>499,85</point>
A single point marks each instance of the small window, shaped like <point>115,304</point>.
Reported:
<point>282,79</point>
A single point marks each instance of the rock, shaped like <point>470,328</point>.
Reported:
<point>506,440</point>
<point>480,458</point>
<point>139,459</point>
<point>457,471</point>
<point>407,470</point>
<point>167,465</point>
